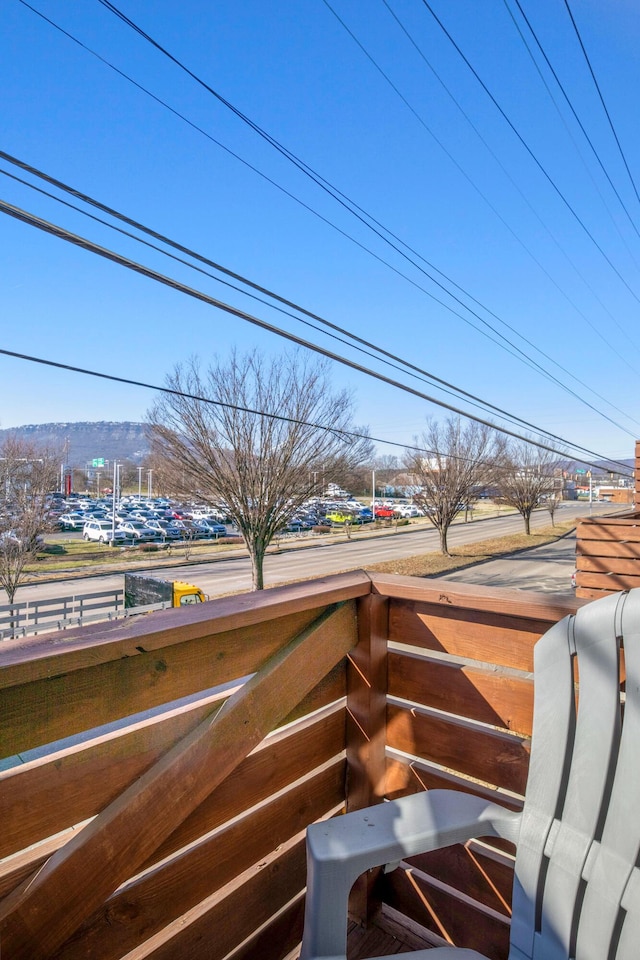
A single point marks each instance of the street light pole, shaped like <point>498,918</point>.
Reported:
<point>139,484</point>
<point>113,503</point>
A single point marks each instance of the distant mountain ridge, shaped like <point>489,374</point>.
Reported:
<point>80,443</point>
<point>602,466</point>
<point>127,440</point>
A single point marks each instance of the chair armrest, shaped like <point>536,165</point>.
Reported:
<point>341,849</point>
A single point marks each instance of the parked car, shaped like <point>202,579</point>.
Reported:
<point>210,528</point>
<point>338,518</point>
<point>71,521</point>
<point>136,530</point>
<point>189,530</point>
<point>120,515</point>
<point>384,513</point>
<point>296,525</point>
<point>103,532</point>
<point>164,529</point>
<point>408,510</point>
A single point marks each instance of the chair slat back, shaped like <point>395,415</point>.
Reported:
<point>569,842</point>
<point>553,731</point>
<point>612,893</point>
<point>630,932</point>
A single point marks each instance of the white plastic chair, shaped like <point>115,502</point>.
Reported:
<point>576,891</point>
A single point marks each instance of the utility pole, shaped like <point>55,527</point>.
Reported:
<point>113,502</point>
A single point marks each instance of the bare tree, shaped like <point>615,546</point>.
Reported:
<point>551,504</point>
<point>129,476</point>
<point>456,460</point>
<point>27,475</point>
<point>386,467</point>
<point>162,475</point>
<point>223,443</point>
<point>527,477</point>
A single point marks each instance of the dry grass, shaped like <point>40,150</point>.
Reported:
<point>64,558</point>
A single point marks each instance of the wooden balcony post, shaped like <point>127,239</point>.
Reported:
<point>637,476</point>
<point>366,729</point>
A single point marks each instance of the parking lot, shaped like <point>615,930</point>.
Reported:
<point>132,520</point>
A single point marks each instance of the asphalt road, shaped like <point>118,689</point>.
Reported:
<point>551,570</point>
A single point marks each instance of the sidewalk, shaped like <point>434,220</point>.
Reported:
<point>544,569</point>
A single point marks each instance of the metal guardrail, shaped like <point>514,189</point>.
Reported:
<point>30,618</point>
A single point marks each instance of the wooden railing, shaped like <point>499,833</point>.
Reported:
<point>160,772</point>
<point>608,549</point>
<point>607,555</point>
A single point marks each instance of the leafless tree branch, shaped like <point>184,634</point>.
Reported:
<point>257,468</point>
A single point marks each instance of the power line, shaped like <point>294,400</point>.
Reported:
<point>518,239</point>
<point>604,106</point>
<point>400,364</point>
<point>572,109</point>
<point>349,205</point>
<point>352,208</point>
<point>537,162</point>
<point>515,185</point>
<point>82,242</point>
<point>356,435</point>
<point>563,120</point>
<point>442,384</point>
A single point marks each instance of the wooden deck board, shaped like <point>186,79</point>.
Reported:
<point>384,938</point>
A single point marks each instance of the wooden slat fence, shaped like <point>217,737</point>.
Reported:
<point>608,549</point>
<point>30,617</point>
<point>160,773</point>
<point>459,716</point>
<point>607,555</point>
<point>186,805</point>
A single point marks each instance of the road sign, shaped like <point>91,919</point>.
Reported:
<point>98,462</point>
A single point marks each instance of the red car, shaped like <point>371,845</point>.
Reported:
<point>384,513</point>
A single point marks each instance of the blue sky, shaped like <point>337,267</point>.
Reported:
<point>473,203</point>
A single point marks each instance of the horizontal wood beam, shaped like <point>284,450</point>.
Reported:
<point>489,695</point>
<point>25,660</point>
<point>46,910</point>
<point>448,594</point>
